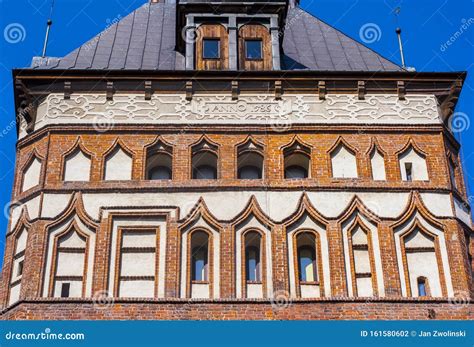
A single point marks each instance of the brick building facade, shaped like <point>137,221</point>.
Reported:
<point>235,162</point>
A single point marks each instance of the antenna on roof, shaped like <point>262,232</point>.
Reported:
<point>400,44</point>
<point>49,23</point>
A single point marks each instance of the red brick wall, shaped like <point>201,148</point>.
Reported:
<point>53,146</point>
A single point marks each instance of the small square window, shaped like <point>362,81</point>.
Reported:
<point>253,49</point>
<point>408,171</point>
<point>211,48</point>
<point>20,269</point>
<point>65,290</point>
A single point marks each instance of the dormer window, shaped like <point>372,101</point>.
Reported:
<point>211,48</point>
<point>253,49</point>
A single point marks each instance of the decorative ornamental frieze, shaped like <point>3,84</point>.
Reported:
<point>251,109</point>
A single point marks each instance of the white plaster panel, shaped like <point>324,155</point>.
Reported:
<point>442,243</point>
<point>344,164</point>
<point>75,289</point>
<point>53,232</point>
<point>118,166</point>
<point>361,261</point>
<point>21,241</point>
<point>254,291</point>
<point>54,204</point>
<point>14,294</point>
<point>419,168</point>
<point>70,264</point>
<point>32,174</point>
<point>378,166</point>
<point>72,240</point>
<point>86,108</point>
<point>200,291</point>
<point>137,289</point>
<point>364,287</point>
<point>138,221</point>
<point>77,167</point>
<point>425,265</point>
<point>139,239</point>
<point>138,264</point>
<point>462,212</point>
<point>310,291</point>
<point>439,204</point>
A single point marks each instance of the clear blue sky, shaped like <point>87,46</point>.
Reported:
<point>427,25</point>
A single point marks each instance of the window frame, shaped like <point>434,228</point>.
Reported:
<point>246,40</point>
<point>219,47</point>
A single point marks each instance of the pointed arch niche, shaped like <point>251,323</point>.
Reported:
<point>412,163</point>
<point>31,173</point>
<point>377,162</point>
<point>307,238</point>
<point>250,160</point>
<point>363,263</point>
<point>200,256</point>
<point>253,249</point>
<point>204,160</point>
<point>159,161</point>
<point>70,256</point>
<point>297,160</point>
<point>20,236</point>
<point>118,163</point>
<point>343,160</point>
<point>77,164</point>
<point>422,257</point>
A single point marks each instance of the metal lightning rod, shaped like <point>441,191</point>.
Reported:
<point>49,23</point>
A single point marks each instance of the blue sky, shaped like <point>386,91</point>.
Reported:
<point>427,26</point>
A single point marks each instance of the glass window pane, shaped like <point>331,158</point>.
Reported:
<point>253,49</point>
<point>307,265</point>
<point>253,264</point>
<point>159,173</point>
<point>250,173</point>
<point>295,172</point>
<point>421,287</point>
<point>211,48</point>
<point>199,265</point>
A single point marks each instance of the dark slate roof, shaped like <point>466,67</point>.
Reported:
<point>145,40</point>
